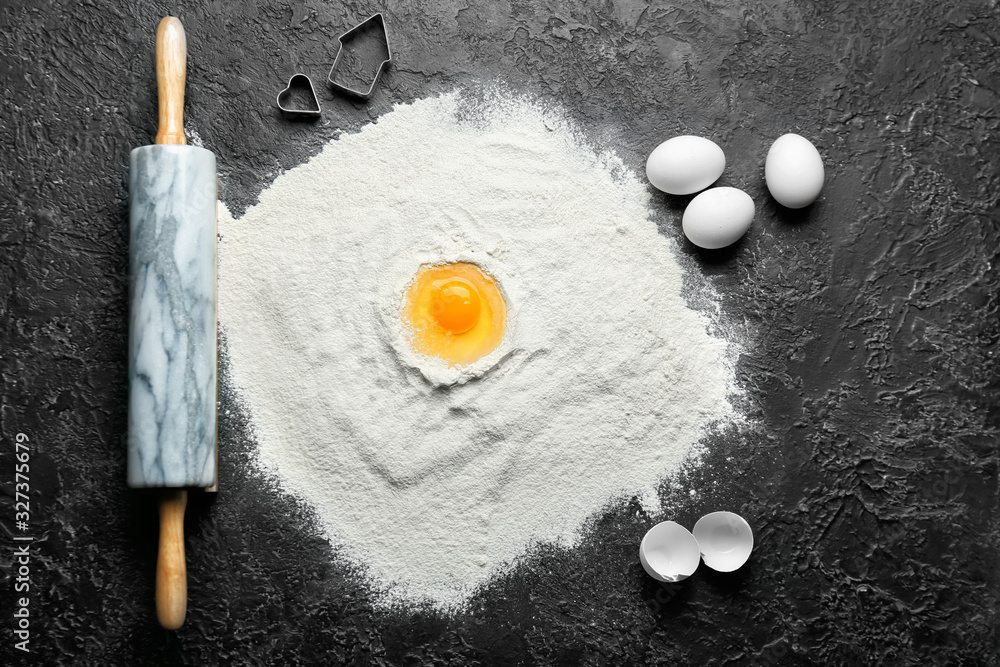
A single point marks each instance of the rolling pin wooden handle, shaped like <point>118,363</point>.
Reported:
<point>171,73</point>
<point>171,570</point>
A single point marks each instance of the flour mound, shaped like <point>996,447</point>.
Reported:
<point>433,477</point>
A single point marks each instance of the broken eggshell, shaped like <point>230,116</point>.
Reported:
<point>725,540</point>
<point>669,552</point>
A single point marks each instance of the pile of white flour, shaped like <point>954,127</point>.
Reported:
<point>435,478</point>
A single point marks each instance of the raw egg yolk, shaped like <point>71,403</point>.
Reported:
<point>454,312</point>
<point>455,304</point>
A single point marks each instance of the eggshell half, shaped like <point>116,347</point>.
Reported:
<point>725,540</point>
<point>669,552</point>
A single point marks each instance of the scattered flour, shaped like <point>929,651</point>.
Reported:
<point>435,478</point>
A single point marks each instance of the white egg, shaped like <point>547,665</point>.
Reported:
<point>685,165</point>
<point>793,171</point>
<point>718,217</point>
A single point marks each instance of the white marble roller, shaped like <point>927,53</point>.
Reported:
<point>172,332</point>
<point>172,328</point>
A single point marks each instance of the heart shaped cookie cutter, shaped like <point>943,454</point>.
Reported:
<point>285,97</point>
<point>371,23</point>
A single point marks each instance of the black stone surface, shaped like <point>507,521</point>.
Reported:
<point>872,321</point>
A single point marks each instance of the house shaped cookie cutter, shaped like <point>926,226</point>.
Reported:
<point>375,20</point>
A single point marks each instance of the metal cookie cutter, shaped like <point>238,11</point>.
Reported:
<point>284,98</point>
<point>366,25</point>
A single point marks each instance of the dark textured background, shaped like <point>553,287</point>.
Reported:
<point>871,316</point>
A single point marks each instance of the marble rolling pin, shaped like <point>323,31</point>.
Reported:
<point>172,325</point>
